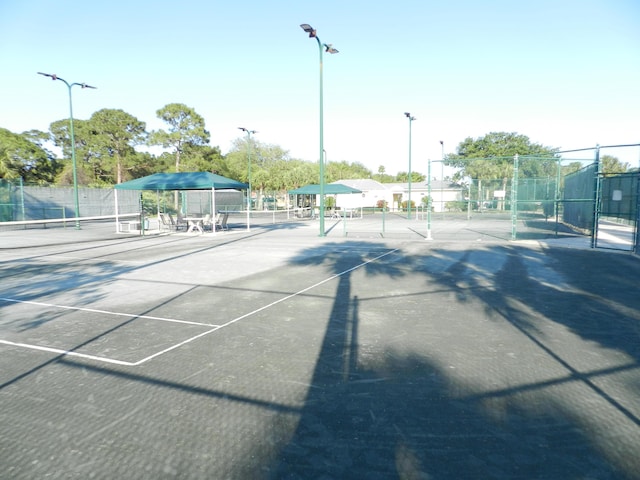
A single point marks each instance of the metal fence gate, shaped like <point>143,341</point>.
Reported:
<point>616,216</point>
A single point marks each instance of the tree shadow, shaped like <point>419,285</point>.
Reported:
<point>540,228</point>
<point>404,415</point>
<point>593,293</point>
<point>398,411</point>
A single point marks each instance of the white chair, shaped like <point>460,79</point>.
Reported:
<point>181,222</point>
<point>221,221</point>
<point>165,223</point>
<point>206,222</point>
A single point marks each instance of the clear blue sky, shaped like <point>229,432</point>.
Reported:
<point>566,73</point>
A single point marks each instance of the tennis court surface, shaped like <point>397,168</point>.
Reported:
<point>275,353</point>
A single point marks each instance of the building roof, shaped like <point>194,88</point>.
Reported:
<point>329,189</point>
<point>368,185</point>
<point>423,185</point>
<point>365,184</point>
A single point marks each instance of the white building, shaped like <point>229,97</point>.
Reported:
<point>374,195</point>
<point>444,195</point>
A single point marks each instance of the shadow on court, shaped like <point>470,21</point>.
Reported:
<point>358,360</point>
<point>403,416</point>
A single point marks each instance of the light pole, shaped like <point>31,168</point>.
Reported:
<point>429,200</point>
<point>73,142</point>
<point>248,132</point>
<point>442,178</point>
<point>329,49</point>
<point>411,119</point>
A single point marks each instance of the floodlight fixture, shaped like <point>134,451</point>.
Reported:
<point>329,49</point>
<point>83,85</point>
<point>308,29</point>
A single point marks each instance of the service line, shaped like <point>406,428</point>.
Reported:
<point>106,312</point>
<point>189,340</point>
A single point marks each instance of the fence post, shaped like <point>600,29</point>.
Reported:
<point>636,242</point>
<point>22,199</point>
<point>557,193</point>
<point>344,222</point>
<point>514,199</point>
<point>429,201</point>
<point>596,199</point>
<point>469,199</point>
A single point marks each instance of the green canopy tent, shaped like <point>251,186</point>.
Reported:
<point>329,189</point>
<point>181,181</point>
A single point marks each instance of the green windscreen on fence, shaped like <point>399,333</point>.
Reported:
<point>619,197</point>
<point>579,198</point>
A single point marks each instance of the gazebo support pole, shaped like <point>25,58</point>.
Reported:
<point>213,210</point>
<point>115,196</point>
<point>158,209</point>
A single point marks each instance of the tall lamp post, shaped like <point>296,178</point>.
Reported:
<point>411,119</point>
<point>248,132</point>
<point>73,141</point>
<point>442,177</point>
<point>329,49</point>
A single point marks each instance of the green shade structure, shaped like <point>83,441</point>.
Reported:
<point>183,181</point>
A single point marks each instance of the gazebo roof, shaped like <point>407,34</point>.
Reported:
<point>183,181</point>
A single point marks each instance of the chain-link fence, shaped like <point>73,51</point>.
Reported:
<point>37,206</point>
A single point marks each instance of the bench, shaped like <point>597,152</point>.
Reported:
<point>133,225</point>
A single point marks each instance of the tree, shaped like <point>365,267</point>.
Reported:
<point>344,170</point>
<point>185,130</point>
<point>382,176</point>
<point>113,136</point>
<point>268,163</point>
<point>300,173</point>
<point>611,164</point>
<point>498,149</point>
<point>204,158</point>
<point>415,177</point>
<point>24,156</point>
<point>61,136</point>
<point>491,158</point>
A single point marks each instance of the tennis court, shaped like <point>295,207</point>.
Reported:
<point>275,353</point>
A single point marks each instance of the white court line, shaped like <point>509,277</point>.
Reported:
<point>178,345</point>
<point>283,299</point>
<point>106,312</point>
<point>67,352</point>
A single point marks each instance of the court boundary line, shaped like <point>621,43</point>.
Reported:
<point>106,312</point>
<point>264,307</point>
<point>69,353</point>
<point>188,340</point>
